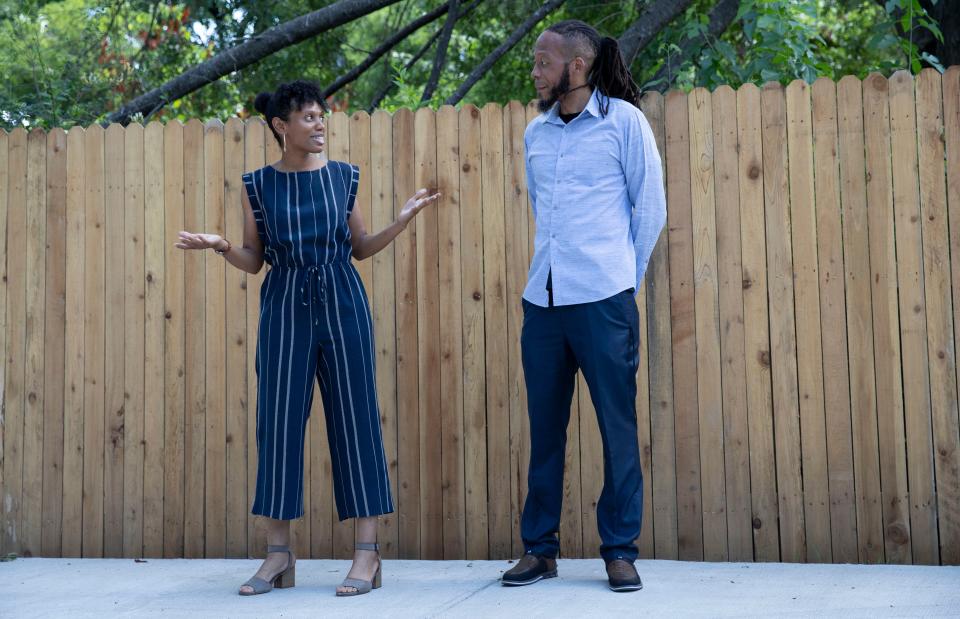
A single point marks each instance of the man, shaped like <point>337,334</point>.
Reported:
<point>596,187</point>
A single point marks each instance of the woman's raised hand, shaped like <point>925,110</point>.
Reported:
<point>415,204</point>
<point>189,240</point>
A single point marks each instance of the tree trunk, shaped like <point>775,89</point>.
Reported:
<point>648,25</point>
<point>721,16</point>
<point>947,14</point>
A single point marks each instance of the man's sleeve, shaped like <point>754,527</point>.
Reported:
<point>531,187</point>
<point>644,175</point>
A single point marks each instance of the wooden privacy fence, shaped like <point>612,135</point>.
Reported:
<point>797,392</point>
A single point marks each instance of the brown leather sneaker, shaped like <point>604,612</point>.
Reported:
<point>528,570</point>
<point>623,576</point>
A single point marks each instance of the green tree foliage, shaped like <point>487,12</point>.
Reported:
<point>71,62</point>
<point>783,40</point>
<point>74,61</point>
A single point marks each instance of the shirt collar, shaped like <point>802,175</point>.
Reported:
<point>593,108</point>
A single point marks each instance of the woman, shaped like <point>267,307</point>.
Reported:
<point>299,217</point>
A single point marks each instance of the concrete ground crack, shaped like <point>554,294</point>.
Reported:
<point>464,598</point>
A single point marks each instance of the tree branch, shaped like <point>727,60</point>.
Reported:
<point>514,38</point>
<point>153,21</point>
<point>249,52</point>
<point>441,56</point>
<point>721,16</point>
<point>398,15</point>
<point>380,96</point>
<point>109,30</point>
<point>919,35</point>
<point>378,53</point>
<point>649,25</point>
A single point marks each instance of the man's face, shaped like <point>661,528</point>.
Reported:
<point>551,69</point>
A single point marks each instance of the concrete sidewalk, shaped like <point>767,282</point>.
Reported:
<point>208,588</point>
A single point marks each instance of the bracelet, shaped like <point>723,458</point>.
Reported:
<point>223,251</point>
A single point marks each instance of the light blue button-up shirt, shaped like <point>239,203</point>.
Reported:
<point>596,186</point>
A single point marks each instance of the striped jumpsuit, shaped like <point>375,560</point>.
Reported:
<point>314,321</point>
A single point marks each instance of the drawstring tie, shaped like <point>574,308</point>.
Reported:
<point>314,287</point>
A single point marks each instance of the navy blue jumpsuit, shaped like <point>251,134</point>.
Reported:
<point>314,321</point>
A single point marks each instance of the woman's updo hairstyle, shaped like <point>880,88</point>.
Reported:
<point>288,97</point>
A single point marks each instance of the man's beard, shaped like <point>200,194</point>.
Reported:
<point>556,92</point>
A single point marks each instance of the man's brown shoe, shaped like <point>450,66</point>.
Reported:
<point>528,570</point>
<point>623,576</point>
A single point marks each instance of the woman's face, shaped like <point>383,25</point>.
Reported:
<point>306,128</point>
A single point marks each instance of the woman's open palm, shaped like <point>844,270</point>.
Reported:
<point>415,204</point>
<point>190,240</point>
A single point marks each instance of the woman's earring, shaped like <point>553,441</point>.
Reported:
<point>283,137</point>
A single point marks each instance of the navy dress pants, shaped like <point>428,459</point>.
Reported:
<point>602,340</point>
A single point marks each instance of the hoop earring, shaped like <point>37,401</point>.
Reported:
<point>283,138</point>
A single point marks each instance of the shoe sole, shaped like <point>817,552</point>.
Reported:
<point>626,588</point>
<point>523,583</point>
